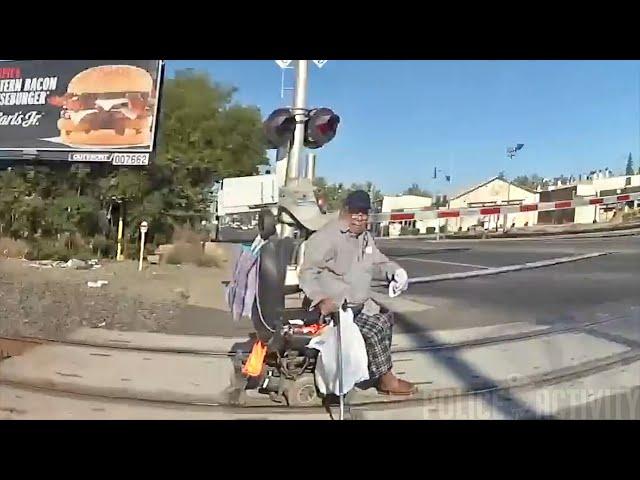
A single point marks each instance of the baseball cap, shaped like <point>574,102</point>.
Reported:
<point>358,201</point>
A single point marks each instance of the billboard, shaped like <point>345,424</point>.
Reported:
<point>80,110</point>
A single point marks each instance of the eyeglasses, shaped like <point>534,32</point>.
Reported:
<point>359,216</point>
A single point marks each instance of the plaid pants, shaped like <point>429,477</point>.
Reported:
<point>376,331</point>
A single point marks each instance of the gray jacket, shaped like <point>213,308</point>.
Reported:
<point>340,266</point>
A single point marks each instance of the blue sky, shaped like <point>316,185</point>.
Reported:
<point>399,119</point>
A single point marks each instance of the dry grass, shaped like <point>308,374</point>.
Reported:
<point>10,248</point>
<point>183,252</point>
<point>187,235</point>
<point>208,260</point>
<point>188,247</point>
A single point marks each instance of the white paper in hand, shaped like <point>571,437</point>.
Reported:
<point>354,356</point>
<point>399,284</point>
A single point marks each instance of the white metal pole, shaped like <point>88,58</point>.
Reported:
<point>506,215</point>
<point>310,172</point>
<point>143,232</point>
<point>141,251</point>
<point>299,105</point>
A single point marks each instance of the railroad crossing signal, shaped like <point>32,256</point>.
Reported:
<point>321,126</point>
<point>279,127</point>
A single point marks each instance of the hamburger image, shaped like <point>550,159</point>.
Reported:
<point>107,105</point>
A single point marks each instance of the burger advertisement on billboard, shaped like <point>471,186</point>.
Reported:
<point>80,110</point>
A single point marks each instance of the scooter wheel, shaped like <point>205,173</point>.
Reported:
<point>302,393</point>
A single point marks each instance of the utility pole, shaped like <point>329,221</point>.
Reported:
<point>299,109</point>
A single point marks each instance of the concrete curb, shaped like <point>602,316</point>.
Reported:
<point>127,375</point>
<point>159,341</point>
<point>509,268</point>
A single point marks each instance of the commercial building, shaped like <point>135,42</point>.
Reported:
<point>595,185</point>
<point>402,203</point>
<point>491,193</point>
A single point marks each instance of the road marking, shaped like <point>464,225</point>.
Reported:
<point>441,261</point>
<point>508,268</point>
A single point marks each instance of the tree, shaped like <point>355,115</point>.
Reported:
<point>334,194</point>
<point>629,170</point>
<point>205,137</point>
<point>529,181</point>
<point>415,189</point>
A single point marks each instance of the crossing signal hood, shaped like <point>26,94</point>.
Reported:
<point>279,127</point>
<point>321,127</point>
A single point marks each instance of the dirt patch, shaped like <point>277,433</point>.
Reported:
<point>51,301</point>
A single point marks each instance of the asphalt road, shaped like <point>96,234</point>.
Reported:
<point>576,291</point>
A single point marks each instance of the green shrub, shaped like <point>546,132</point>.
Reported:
<point>102,247</point>
<point>63,249</point>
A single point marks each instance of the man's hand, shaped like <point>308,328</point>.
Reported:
<point>327,306</point>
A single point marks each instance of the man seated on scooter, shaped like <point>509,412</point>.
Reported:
<point>340,260</point>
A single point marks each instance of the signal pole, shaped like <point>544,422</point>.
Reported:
<point>299,108</point>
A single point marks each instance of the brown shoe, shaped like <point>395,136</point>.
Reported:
<point>389,384</point>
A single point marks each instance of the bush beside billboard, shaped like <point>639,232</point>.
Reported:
<point>80,110</point>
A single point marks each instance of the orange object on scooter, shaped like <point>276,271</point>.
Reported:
<point>255,362</point>
<point>310,329</point>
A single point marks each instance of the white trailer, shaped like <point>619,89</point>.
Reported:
<point>246,194</point>
<point>237,201</point>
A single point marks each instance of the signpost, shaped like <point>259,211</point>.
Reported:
<point>144,227</point>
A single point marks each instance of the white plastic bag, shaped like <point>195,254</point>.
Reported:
<point>354,356</point>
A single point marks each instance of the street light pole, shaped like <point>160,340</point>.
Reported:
<point>511,152</point>
<point>447,179</point>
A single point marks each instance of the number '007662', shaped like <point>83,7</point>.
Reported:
<point>130,159</point>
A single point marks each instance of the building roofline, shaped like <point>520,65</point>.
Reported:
<point>486,182</point>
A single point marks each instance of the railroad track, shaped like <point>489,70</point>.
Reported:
<point>261,405</point>
<point>13,346</point>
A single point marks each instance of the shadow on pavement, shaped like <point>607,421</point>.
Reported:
<point>473,380</point>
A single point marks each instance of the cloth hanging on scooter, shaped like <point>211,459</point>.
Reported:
<point>354,356</point>
<point>241,291</point>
